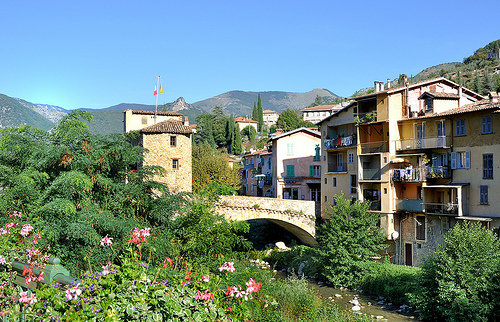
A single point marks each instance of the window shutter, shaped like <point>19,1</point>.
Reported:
<point>467,159</point>
<point>311,171</point>
<point>453,160</point>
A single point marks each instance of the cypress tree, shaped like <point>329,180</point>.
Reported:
<point>230,133</point>
<point>254,112</point>
<point>237,148</point>
<point>260,114</point>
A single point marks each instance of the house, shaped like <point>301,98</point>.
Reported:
<point>317,113</point>
<point>338,157</point>
<point>244,122</point>
<point>270,117</point>
<point>296,163</point>
<point>167,144</point>
<point>256,174</point>
<point>391,139</point>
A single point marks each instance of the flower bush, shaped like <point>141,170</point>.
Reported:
<point>126,288</point>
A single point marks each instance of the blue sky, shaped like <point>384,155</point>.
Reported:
<point>96,54</point>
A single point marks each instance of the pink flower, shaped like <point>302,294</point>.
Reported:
<point>253,286</point>
<point>26,299</point>
<point>227,266</point>
<point>16,214</point>
<point>73,293</point>
<point>2,260</point>
<point>105,269</point>
<point>106,241</point>
<point>25,231</point>
<point>3,231</point>
<point>139,236</point>
<point>169,260</point>
<point>204,296</point>
<point>205,278</point>
<point>10,225</point>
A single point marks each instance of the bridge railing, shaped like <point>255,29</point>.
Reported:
<point>52,272</point>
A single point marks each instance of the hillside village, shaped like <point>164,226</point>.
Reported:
<point>421,154</point>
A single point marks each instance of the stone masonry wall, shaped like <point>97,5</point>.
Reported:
<point>161,153</point>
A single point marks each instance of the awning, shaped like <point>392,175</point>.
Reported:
<point>476,218</point>
<point>399,160</point>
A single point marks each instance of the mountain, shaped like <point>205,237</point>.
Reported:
<point>15,112</point>
<point>240,103</point>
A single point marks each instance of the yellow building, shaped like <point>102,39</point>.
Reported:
<point>167,143</point>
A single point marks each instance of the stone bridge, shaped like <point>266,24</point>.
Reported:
<point>296,216</point>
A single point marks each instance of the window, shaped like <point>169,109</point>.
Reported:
<point>326,199</point>
<point>326,180</point>
<point>460,160</point>
<point>175,164</point>
<point>353,183</point>
<point>420,227</point>
<point>173,141</point>
<point>428,103</point>
<point>144,120</point>
<point>334,182</point>
<point>290,170</point>
<point>487,126</point>
<point>315,171</point>
<point>460,127</point>
<point>289,148</point>
<point>488,166</point>
<point>483,195</point>
<point>350,158</point>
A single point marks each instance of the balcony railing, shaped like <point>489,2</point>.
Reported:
<point>370,174</point>
<point>366,117</point>
<point>340,142</point>
<point>374,147</point>
<point>438,172</point>
<point>336,167</point>
<point>423,143</point>
<point>249,166</point>
<point>409,174</point>
<point>375,205</point>
<point>441,208</point>
<point>409,205</point>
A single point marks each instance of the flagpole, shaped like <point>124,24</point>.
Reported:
<point>156,94</point>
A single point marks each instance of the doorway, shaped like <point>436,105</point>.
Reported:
<point>408,254</point>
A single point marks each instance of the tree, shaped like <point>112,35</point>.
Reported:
<point>249,132</point>
<point>461,282</point>
<point>260,115</point>
<point>211,166</point>
<point>230,133</point>
<point>219,120</point>
<point>489,84</point>
<point>204,130</point>
<point>288,120</point>
<point>317,101</point>
<point>237,148</point>
<point>347,241</point>
<point>254,112</point>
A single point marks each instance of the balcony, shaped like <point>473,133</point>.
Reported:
<point>417,174</point>
<point>337,167</point>
<point>423,143</point>
<point>410,205</point>
<point>374,147</point>
<point>366,117</point>
<point>340,142</point>
<point>438,172</point>
<point>370,174</point>
<point>449,208</point>
<point>249,166</point>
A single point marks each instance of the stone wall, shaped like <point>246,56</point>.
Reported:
<point>160,153</point>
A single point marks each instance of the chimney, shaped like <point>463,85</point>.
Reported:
<point>375,85</point>
<point>186,121</point>
<point>388,83</point>
<point>493,97</point>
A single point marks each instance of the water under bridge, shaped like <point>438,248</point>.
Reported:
<point>296,216</point>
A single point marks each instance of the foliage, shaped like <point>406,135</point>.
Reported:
<point>211,166</point>
<point>204,130</point>
<point>260,115</point>
<point>288,120</point>
<point>296,302</point>
<point>236,147</point>
<point>249,132</point>
<point>220,121</point>
<point>347,241</point>
<point>395,282</point>
<point>461,282</point>
<point>294,257</point>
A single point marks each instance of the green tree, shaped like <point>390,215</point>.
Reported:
<point>209,166</point>
<point>204,130</point>
<point>249,132</point>
<point>461,282</point>
<point>489,84</point>
<point>230,133</point>
<point>260,115</point>
<point>237,148</point>
<point>220,121</point>
<point>347,241</point>
<point>317,101</point>
<point>254,111</point>
<point>288,120</point>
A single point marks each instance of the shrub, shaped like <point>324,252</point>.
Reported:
<point>395,282</point>
<point>461,282</point>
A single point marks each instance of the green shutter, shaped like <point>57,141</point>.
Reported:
<point>311,171</point>
<point>290,171</point>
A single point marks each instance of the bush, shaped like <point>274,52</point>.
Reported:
<point>395,282</point>
<point>461,282</point>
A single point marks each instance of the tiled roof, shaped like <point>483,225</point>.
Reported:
<point>164,113</point>
<point>318,108</point>
<point>444,95</point>
<point>268,112</point>
<point>169,126</point>
<point>473,107</point>
<point>244,120</point>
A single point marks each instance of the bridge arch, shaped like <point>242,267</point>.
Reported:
<point>296,216</point>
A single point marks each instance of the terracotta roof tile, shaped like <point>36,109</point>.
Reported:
<point>319,108</point>
<point>244,120</point>
<point>482,105</point>
<point>169,126</point>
